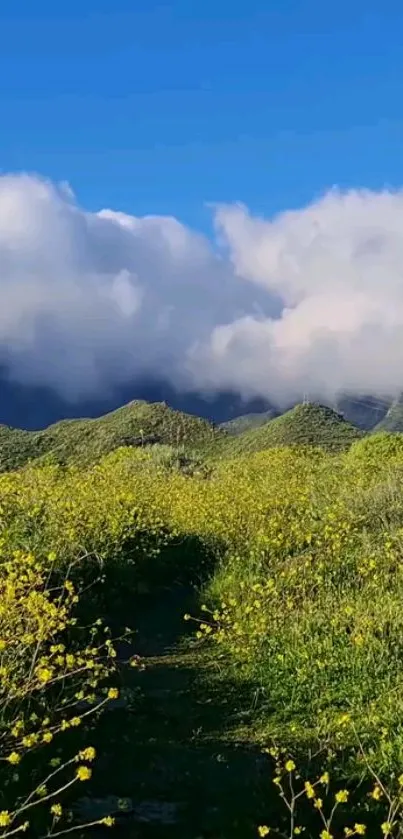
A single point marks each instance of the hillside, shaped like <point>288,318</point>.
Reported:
<point>246,422</point>
<point>259,606</point>
<point>141,424</point>
<point>364,412</point>
<point>307,424</point>
<point>393,419</point>
<point>86,440</point>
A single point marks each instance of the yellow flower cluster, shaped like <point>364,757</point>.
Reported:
<point>36,606</point>
<point>306,598</point>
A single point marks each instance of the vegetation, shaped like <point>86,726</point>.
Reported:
<point>309,425</point>
<point>393,419</point>
<point>87,440</point>
<point>266,587</point>
<point>246,422</point>
<point>49,667</point>
<point>140,424</point>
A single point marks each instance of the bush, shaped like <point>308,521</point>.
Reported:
<point>54,675</point>
<point>374,450</point>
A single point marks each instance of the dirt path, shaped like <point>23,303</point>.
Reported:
<point>174,752</point>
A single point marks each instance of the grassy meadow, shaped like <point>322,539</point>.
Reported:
<point>242,611</point>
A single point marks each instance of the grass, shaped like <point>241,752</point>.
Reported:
<point>86,440</point>
<point>286,563</point>
<point>393,419</point>
<point>308,425</point>
<point>18,446</point>
<point>141,424</point>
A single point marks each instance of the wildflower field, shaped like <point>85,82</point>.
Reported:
<point>295,559</point>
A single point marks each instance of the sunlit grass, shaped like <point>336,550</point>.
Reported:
<point>305,600</point>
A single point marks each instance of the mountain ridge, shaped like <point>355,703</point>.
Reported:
<point>393,419</point>
<point>145,424</point>
<point>306,424</point>
<point>85,440</point>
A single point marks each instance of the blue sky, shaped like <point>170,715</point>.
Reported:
<point>160,107</point>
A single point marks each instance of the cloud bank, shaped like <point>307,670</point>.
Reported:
<point>309,301</point>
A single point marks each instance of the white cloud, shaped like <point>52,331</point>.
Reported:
<point>337,266</point>
<point>310,300</point>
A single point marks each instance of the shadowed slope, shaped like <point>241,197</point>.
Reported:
<point>307,424</point>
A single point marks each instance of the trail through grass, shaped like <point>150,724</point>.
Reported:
<point>182,753</point>
<point>298,553</point>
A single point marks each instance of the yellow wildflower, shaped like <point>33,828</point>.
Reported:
<point>30,740</point>
<point>88,753</point>
<point>309,790</point>
<point>263,830</point>
<point>113,693</point>
<point>83,773</point>
<point>290,766</point>
<point>5,818</point>
<point>108,821</point>
<point>45,674</point>
<point>342,796</point>
<point>14,758</point>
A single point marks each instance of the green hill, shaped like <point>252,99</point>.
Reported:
<point>246,422</point>
<point>393,419</point>
<point>307,424</point>
<point>143,424</point>
<point>18,446</point>
<point>86,440</point>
